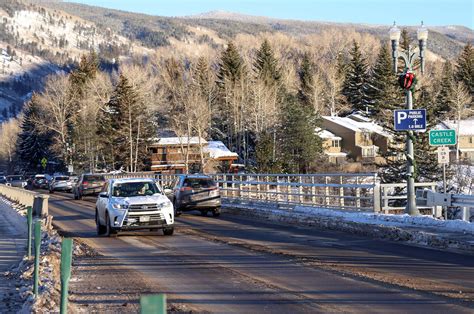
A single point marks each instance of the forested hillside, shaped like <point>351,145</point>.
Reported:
<point>259,85</point>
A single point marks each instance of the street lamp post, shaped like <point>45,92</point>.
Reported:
<point>409,58</point>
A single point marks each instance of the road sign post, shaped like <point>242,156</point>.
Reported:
<point>66,257</point>
<point>410,120</point>
<point>442,139</point>
<point>37,257</point>
<point>29,222</point>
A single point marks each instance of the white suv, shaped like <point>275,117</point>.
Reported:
<point>131,204</point>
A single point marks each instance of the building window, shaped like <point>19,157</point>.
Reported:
<point>335,143</point>
<point>366,136</point>
<point>368,152</point>
<point>471,139</point>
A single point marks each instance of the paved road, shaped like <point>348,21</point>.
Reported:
<point>236,265</point>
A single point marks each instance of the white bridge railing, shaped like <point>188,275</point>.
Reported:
<point>344,191</point>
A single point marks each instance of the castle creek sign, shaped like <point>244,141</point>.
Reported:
<point>442,137</point>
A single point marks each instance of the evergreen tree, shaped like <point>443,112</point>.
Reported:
<point>33,145</point>
<point>266,154</point>
<point>405,39</point>
<point>266,65</point>
<point>355,85</point>
<point>299,145</point>
<point>383,89</point>
<point>231,67</point>
<point>232,100</point>
<point>444,99</point>
<point>267,98</point>
<point>205,80</point>
<point>427,168</point>
<point>306,80</point>
<point>124,128</point>
<point>465,67</point>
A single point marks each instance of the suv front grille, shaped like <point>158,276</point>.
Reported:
<point>143,207</point>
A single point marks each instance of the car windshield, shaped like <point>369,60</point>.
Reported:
<point>15,178</point>
<point>130,189</point>
<point>94,178</point>
<point>61,178</point>
<point>199,183</point>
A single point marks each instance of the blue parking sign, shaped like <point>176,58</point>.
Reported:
<point>410,120</point>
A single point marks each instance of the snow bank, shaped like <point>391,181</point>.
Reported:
<point>391,220</point>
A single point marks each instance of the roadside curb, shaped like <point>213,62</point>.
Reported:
<point>429,237</point>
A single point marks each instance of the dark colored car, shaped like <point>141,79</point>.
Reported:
<point>3,180</point>
<point>196,192</point>
<point>88,184</point>
<point>16,181</point>
<point>40,181</point>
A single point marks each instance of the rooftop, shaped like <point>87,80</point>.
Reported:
<point>179,140</point>
<point>466,127</point>
<point>217,149</point>
<point>358,126</point>
<point>325,134</point>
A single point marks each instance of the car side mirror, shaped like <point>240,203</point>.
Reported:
<point>168,191</point>
<point>103,194</point>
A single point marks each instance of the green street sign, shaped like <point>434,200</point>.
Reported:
<point>442,137</point>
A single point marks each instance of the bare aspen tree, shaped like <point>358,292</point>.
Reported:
<point>57,112</point>
<point>8,136</point>
<point>461,109</point>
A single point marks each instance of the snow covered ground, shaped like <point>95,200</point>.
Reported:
<point>390,219</point>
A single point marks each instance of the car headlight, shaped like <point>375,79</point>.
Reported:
<point>120,206</point>
<point>164,205</point>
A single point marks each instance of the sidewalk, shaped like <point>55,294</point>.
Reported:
<point>13,233</point>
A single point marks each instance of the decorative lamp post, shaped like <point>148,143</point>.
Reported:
<point>407,81</point>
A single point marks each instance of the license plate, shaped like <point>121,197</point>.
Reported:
<point>144,218</point>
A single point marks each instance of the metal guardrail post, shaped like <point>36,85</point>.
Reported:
<point>341,192</point>
<point>66,257</point>
<point>37,256</point>
<point>326,191</point>
<point>153,304</point>
<point>357,193</point>
<point>29,223</point>
<point>376,197</point>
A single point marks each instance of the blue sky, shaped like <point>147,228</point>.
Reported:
<point>405,12</point>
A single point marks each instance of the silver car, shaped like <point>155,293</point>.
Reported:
<point>60,183</point>
<point>131,204</point>
<point>16,181</point>
<point>196,192</point>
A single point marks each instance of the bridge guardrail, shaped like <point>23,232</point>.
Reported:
<point>25,198</point>
<point>466,202</point>
<point>343,191</point>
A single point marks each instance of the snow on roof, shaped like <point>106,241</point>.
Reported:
<point>325,134</point>
<point>169,166</point>
<point>466,127</point>
<point>178,140</point>
<point>358,126</point>
<point>217,149</point>
<point>359,117</point>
